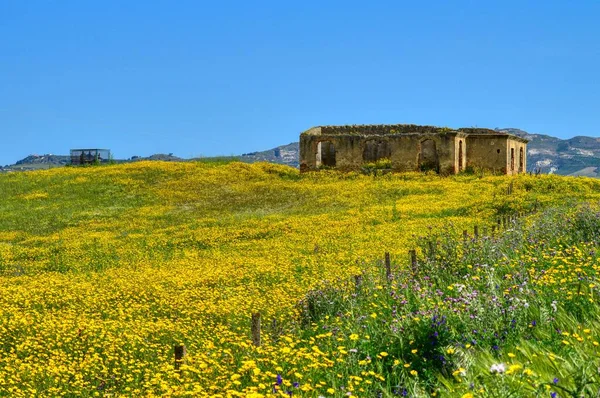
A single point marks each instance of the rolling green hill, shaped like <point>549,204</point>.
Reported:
<point>106,270</point>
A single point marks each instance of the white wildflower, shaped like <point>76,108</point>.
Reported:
<point>498,368</point>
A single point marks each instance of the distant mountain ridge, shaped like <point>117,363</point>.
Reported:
<point>49,161</point>
<point>579,155</point>
<point>285,154</point>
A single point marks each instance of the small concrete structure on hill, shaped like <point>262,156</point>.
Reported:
<point>409,147</point>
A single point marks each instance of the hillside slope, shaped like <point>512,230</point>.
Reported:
<point>104,269</point>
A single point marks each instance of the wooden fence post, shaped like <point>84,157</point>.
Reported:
<point>413,259</point>
<point>180,352</point>
<point>357,281</point>
<point>432,249</point>
<point>476,232</point>
<point>465,235</point>
<point>256,329</point>
<point>388,266</point>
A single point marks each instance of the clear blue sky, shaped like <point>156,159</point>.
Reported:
<point>227,77</point>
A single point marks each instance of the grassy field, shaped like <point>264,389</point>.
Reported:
<point>104,269</point>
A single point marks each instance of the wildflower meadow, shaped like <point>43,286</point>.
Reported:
<point>367,285</point>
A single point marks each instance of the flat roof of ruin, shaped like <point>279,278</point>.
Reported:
<point>396,129</point>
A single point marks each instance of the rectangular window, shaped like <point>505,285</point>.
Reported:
<point>512,158</point>
<point>521,160</point>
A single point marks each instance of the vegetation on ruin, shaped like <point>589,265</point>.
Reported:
<point>380,164</point>
<point>104,269</point>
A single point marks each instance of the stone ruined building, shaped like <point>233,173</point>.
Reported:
<point>408,147</point>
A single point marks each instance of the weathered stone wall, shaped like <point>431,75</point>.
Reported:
<point>514,166</point>
<point>405,156</point>
<point>308,159</point>
<point>412,148</point>
<point>348,151</point>
<point>408,152</point>
<point>411,152</point>
<point>488,152</point>
<point>381,129</point>
<point>420,144</point>
<point>523,164</point>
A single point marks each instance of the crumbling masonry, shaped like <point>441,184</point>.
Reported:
<point>408,147</point>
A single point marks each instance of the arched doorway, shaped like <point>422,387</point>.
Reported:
<point>428,158</point>
<point>460,155</point>
<point>325,154</point>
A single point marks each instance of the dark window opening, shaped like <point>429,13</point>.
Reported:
<point>428,157</point>
<point>376,150</point>
<point>512,159</point>
<point>460,155</point>
<point>498,150</point>
<point>325,154</point>
<point>521,160</point>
